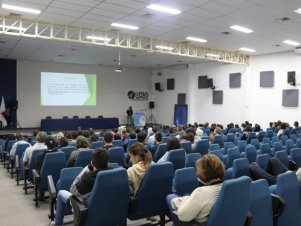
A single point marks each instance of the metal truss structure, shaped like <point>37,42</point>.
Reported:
<point>54,31</point>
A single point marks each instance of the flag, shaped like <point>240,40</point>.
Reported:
<point>3,113</point>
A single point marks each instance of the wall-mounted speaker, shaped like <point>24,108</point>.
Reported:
<point>151,104</point>
<point>291,78</point>
<point>13,104</point>
<point>210,82</point>
<point>170,84</point>
<point>158,86</point>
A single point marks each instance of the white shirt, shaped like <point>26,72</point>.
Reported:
<point>163,158</point>
<point>29,150</point>
<point>14,147</point>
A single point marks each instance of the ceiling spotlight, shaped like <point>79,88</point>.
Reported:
<point>290,42</point>
<point>163,9</point>
<point>125,26</point>
<point>242,29</point>
<point>247,49</point>
<point>119,68</point>
<point>196,39</point>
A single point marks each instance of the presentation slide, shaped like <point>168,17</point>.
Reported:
<point>67,89</point>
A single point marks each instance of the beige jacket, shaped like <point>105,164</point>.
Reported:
<point>136,174</point>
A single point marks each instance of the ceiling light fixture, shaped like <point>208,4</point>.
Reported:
<point>125,26</point>
<point>98,38</point>
<point>196,39</point>
<point>290,42</point>
<point>12,28</point>
<point>164,9</point>
<point>21,9</point>
<point>242,29</point>
<point>119,68</point>
<point>164,47</point>
<point>212,55</point>
<point>298,10</point>
<point>247,49</point>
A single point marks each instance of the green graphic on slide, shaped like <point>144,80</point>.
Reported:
<point>91,80</point>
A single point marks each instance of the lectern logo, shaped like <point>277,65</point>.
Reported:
<point>138,96</point>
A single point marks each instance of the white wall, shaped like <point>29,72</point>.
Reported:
<point>112,88</point>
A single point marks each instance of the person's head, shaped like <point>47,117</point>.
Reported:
<point>173,143</point>
<point>271,124</point>
<point>117,136</point>
<point>94,137</point>
<point>63,142</point>
<point>155,129</point>
<point>108,137</point>
<point>59,135</point>
<point>189,137</point>
<point>248,128</point>
<point>283,125</point>
<point>41,136</point>
<point>210,169</point>
<point>138,153</point>
<point>170,130</point>
<point>296,124</point>
<point>236,126</point>
<point>86,133</point>
<point>141,137</point>
<point>243,125</point>
<point>218,131</point>
<point>257,128</point>
<point>74,135</point>
<point>133,135</point>
<point>19,136</point>
<point>81,142</point>
<point>68,135</point>
<point>158,137</point>
<point>51,142</point>
<point>100,158</point>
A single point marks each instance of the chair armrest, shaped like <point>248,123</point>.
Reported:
<point>177,222</point>
<point>79,210</point>
<point>17,162</point>
<point>51,187</point>
<point>132,204</point>
<point>36,176</point>
<point>249,219</point>
<point>278,205</point>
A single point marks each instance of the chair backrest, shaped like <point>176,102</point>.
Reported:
<point>161,150</point>
<point>251,153</point>
<point>233,153</point>
<point>52,165</point>
<point>296,156</point>
<point>240,168</point>
<point>191,159</point>
<point>228,145</point>
<point>293,137</point>
<point>87,116</point>
<point>116,155</point>
<point>202,146</point>
<point>75,116</point>
<point>242,144</point>
<point>262,160</point>
<point>283,157</point>
<point>154,188</point>
<point>131,142</point>
<point>113,165</point>
<point>261,204</point>
<point>277,146</point>
<point>298,143</point>
<point>275,139</point>
<point>289,144</point>
<point>186,145</point>
<point>255,142</point>
<point>284,138</point>
<point>261,135</point>
<point>232,204</point>
<point>230,136</point>
<point>177,158</point>
<point>20,149</point>
<point>117,143</point>
<point>112,188</point>
<point>84,158</point>
<point>265,149</point>
<point>236,139</point>
<point>165,140</point>
<point>68,150</point>
<point>266,140</point>
<point>214,147</point>
<point>251,136</point>
<point>9,145</point>
<point>269,134</point>
<point>32,164</point>
<point>185,181</point>
<point>218,139</point>
<point>288,188</point>
<point>97,144</point>
<point>219,154</point>
<point>67,177</point>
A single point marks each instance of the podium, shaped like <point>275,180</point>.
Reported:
<point>139,119</point>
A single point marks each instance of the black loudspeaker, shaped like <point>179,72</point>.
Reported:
<point>291,78</point>
<point>158,86</point>
<point>13,104</point>
<point>152,104</point>
<point>210,82</point>
<point>181,98</point>
<point>170,84</point>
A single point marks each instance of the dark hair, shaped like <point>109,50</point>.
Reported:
<point>133,135</point>
<point>155,129</point>
<point>63,142</point>
<point>117,136</point>
<point>139,150</point>
<point>108,137</point>
<point>173,143</point>
<point>210,167</point>
<point>257,128</point>
<point>19,136</point>
<point>93,138</point>
<point>189,137</point>
<point>296,124</point>
<point>86,133</point>
<point>41,136</point>
<point>51,142</point>
<point>74,135</point>
<point>100,158</point>
<point>283,125</point>
<point>158,136</point>
<point>81,142</point>
<point>248,128</point>
<point>141,137</point>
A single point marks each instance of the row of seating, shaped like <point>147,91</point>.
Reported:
<point>75,117</point>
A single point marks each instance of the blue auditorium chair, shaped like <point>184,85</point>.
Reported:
<point>240,168</point>
<point>191,159</point>
<point>262,160</point>
<point>97,144</point>
<point>261,135</point>
<point>130,142</point>
<point>283,157</point>
<point>256,143</point>
<point>230,137</point>
<point>233,153</point>
<point>177,158</point>
<point>19,152</point>
<point>108,202</point>
<point>68,150</point>
<point>161,150</point>
<point>214,147</point>
<point>116,155</point>
<point>202,146</point>
<point>242,144</point>
<point>265,149</point>
<point>218,139</point>
<point>251,136</point>
<point>250,153</point>
<point>84,158</point>
<point>117,143</point>
<point>277,146</point>
<point>296,156</point>
<point>186,145</point>
<point>185,181</point>
<point>298,143</point>
<point>227,145</point>
<point>289,144</point>
<point>283,138</point>
<point>293,137</point>
<point>165,140</point>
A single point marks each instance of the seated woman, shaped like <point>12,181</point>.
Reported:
<point>197,206</point>
<point>173,143</point>
<point>82,144</point>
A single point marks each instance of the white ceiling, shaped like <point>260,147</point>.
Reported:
<point>205,19</point>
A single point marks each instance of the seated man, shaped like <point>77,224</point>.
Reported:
<point>83,183</point>
<point>158,140</point>
<point>51,144</point>
<point>20,140</point>
<point>108,138</point>
<point>82,144</point>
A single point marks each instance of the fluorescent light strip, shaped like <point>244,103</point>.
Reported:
<point>247,49</point>
<point>163,9</point>
<point>21,9</point>
<point>13,28</point>
<point>212,55</point>
<point>298,11</point>
<point>98,38</point>
<point>196,39</point>
<point>242,29</point>
<point>164,47</point>
<point>290,42</point>
<point>125,26</point>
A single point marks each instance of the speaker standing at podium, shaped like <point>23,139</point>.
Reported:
<point>129,113</point>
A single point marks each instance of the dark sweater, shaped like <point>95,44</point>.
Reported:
<point>40,158</point>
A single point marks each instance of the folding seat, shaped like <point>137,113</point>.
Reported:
<point>165,140</point>
<point>227,145</point>
<point>242,144</point>
<point>214,147</point>
<point>266,140</point>
<point>112,188</point>
<point>84,158</point>
<point>177,158</point>
<point>97,144</point>
<point>230,137</point>
<point>289,144</point>
<point>19,152</point>
<point>218,139</point>
<point>251,136</point>
<point>116,155</point>
<point>202,146</point>
<point>233,153</point>
<point>101,139</point>
<point>284,138</point>
<point>283,157</point>
<point>293,137</point>
<point>298,143</point>
<point>277,146</point>
<point>131,142</point>
<point>275,139</point>
<point>269,134</point>
<point>296,156</point>
<point>52,165</point>
<point>117,143</point>
<point>255,142</point>
<point>262,160</point>
<point>236,140</point>
<point>191,159</point>
<point>161,150</point>
<point>265,149</point>
<point>68,150</point>
<point>186,145</point>
<point>240,168</point>
<point>250,153</point>
<point>185,181</point>
<point>261,135</point>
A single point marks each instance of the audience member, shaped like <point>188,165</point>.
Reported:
<point>283,127</point>
<point>198,134</point>
<point>108,138</point>
<point>158,140</point>
<point>86,133</point>
<point>246,132</point>
<point>63,142</point>
<point>20,140</point>
<point>94,138</point>
<point>82,145</point>
<point>217,131</point>
<point>51,144</point>
<point>173,143</point>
